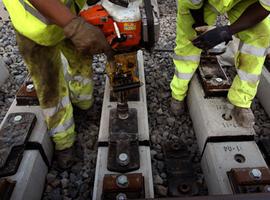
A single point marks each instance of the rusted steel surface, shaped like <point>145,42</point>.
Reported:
<point>130,186</point>
<point>123,153</point>
<point>13,137</point>
<point>250,180</point>
<point>257,196</point>
<point>214,79</point>
<point>181,177</point>
<point>27,94</point>
<point>6,188</point>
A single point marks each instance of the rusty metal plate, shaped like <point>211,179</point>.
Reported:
<point>13,137</point>
<point>214,80</point>
<point>6,188</point>
<point>27,95</point>
<point>128,186</point>
<point>250,180</point>
<point>181,176</point>
<point>123,153</point>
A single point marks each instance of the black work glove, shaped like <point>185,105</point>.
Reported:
<point>213,37</point>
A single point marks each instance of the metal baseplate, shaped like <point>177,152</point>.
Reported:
<point>123,142</point>
<point>181,176</point>
<point>214,80</point>
<point>27,95</point>
<point>13,137</point>
<point>6,188</point>
<point>124,132</point>
<point>249,180</point>
<point>123,186</point>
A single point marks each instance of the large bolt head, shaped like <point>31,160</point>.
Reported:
<point>256,174</point>
<point>122,181</point>
<point>123,159</point>
<point>121,196</point>
<point>17,118</point>
<point>267,188</point>
<point>30,88</point>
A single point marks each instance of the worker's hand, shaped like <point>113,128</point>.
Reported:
<point>86,37</point>
<point>213,37</point>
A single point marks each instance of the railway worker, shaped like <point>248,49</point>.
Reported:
<point>43,30</point>
<point>248,23</point>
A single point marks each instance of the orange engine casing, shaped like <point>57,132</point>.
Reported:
<point>131,32</point>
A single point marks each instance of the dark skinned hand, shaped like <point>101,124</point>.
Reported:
<point>213,37</point>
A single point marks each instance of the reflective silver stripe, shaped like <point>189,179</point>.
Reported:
<point>37,14</point>
<point>84,81</point>
<point>249,49</point>
<point>196,2</point>
<point>214,9</point>
<point>184,76</point>
<point>84,97</point>
<point>34,12</point>
<point>187,58</point>
<point>265,2</point>
<point>62,128</point>
<point>251,78</point>
<point>49,112</point>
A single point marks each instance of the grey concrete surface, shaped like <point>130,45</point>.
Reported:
<point>4,74</point>
<point>3,13</point>
<point>30,177</point>
<point>145,169</point>
<point>264,90</point>
<point>206,115</point>
<point>219,158</point>
<point>141,107</point>
<point>39,133</point>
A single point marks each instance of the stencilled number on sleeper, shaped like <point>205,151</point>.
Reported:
<point>229,148</point>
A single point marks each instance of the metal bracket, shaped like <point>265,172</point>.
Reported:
<point>250,180</point>
<point>123,142</point>
<point>27,94</point>
<point>6,188</point>
<point>215,82</point>
<point>13,138</point>
<point>181,177</point>
<point>121,187</point>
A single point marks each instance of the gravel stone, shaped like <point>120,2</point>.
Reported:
<point>161,190</point>
<point>158,180</point>
<point>77,182</point>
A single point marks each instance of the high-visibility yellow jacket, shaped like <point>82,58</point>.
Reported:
<point>221,6</point>
<point>32,24</point>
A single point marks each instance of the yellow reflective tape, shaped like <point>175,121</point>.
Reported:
<point>49,112</point>
<point>62,127</point>
<point>82,80</point>
<point>244,76</point>
<point>37,14</point>
<point>252,50</point>
<point>196,2</point>
<point>265,2</point>
<point>187,58</point>
<point>184,76</point>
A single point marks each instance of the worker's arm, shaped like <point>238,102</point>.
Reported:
<point>86,37</point>
<point>54,10</point>
<point>253,15</point>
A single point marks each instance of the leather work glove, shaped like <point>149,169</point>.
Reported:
<point>86,37</point>
<point>213,37</point>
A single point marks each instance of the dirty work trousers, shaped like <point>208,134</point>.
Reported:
<point>55,94</point>
<point>249,58</point>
